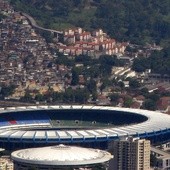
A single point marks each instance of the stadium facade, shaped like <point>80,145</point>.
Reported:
<point>93,126</point>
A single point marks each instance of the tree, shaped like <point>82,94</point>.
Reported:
<point>91,86</point>
<point>6,90</point>
<point>47,35</point>
<point>75,77</point>
<point>149,104</point>
<point>93,71</point>
<point>27,97</point>
<point>144,92</point>
<point>141,64</point>
<point>121,84</point>
<point>102,87</point>
<point>158,62</point>
<point>94,96</point>
<point>149,23</point>
<point>62,59</point>
<point>39,97</point>
<point>57,96</point>
<point>128,102</point>
<point>85,59</point>
<point>133,84</point>
<point>114,98</point>
<point>81,95</point>
<point>69,96</point>
<point>154,97</point>
<point>2,17</point>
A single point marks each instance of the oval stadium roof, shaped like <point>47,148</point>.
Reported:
<point>157,123</point>
<point>61,155</point>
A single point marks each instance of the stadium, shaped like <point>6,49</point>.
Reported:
<point>93,126</point>
<point>61,157</point>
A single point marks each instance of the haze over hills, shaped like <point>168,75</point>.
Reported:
<point>135,21</point>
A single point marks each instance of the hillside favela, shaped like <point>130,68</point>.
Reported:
<point>84,85</point>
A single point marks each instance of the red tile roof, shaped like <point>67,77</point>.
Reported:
<point>163,103</point>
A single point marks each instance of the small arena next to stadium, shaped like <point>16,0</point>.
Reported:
<point>93,126</point>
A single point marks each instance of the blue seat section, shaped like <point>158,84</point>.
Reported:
<point>3,122</point>
<point>19,118</point>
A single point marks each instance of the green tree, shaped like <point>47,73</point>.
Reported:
<point>75,77</point>
<point>128,102</point>
<point>81,95</point>
<point>57,96</point>
<point>69,96</point>
<point>62,59</point>
<point>27,97</point>
<point>7,90</point>
<point>92,71</point>
<point>154,97</point>
<point>149,104</point>
<point>121,84</point>
<point>91,86</point>
<point>2,17</point>
<point>135,21</point>
<point>47,35</point>
<point>141,64</point>
<point>114,98</point>
<point>158,62</point>
<point>133,83</point>
<point>85,59</point>
<point>39,97</point>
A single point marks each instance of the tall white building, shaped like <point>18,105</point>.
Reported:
<point>130,154</point>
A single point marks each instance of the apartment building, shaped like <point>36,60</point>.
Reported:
<point>130,154</point>
<point>6,163</point>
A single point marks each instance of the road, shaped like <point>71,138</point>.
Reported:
<point>35,25</point>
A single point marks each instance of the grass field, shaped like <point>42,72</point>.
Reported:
<point>79,124</point>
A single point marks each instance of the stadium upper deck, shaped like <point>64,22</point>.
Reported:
<point>21,128</point>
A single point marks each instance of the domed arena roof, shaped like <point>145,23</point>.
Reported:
<point>61,155</point>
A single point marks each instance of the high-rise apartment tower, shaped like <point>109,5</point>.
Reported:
<point>130,154</point>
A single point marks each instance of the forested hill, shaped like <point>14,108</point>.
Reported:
<point>138,21</point>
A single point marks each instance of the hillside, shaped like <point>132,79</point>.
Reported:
<point>59,14</point>
<point>133,20</point>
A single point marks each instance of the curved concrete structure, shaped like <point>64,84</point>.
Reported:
<point>156,126</point>
<point>61,155</point>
